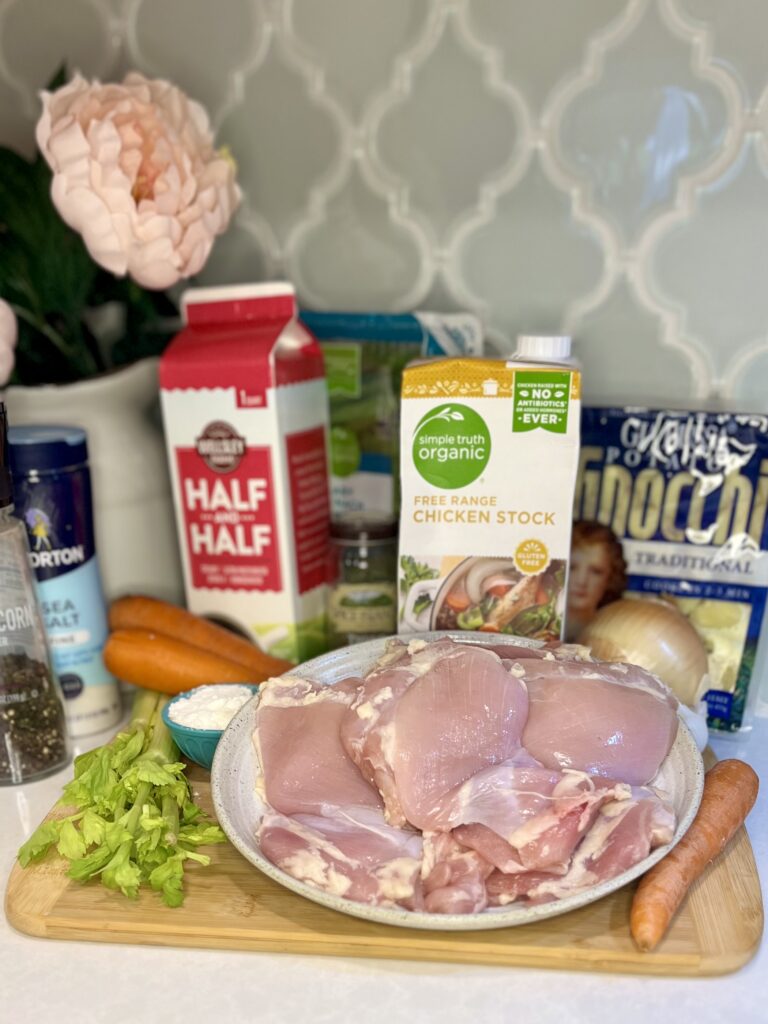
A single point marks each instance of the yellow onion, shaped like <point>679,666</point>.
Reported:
<point>656,636</point>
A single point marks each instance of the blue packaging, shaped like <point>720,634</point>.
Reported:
<point>686,494</point>
<point>52,489</point>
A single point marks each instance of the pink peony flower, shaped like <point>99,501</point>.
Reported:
<point>8,335</point>
<point>135,172</point>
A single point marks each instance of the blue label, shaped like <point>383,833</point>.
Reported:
<point>76,624</point>
<point>56,509</point>
<point>373,462</point>
<point>719,704</point>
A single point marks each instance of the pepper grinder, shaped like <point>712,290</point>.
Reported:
<point>33,733</point>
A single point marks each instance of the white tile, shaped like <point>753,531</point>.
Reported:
<point>442,162</point>
<point>284,141</point>
<point>748,389</point>
<point>542,41</point>
<point>737,31</point>
<point>645,121</point>
<point>356,43</point>
<point>621,348</point>
<point>237,258</point>
<point>710,266</point>
<point>529,260</point>
<point>197,44</point>
<point>357,256</point>
<point>37,37</point>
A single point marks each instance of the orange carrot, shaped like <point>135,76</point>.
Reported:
<point>457,600</point>
<point>730,790</point>
<point>159,662</point>
<point>137,612</point>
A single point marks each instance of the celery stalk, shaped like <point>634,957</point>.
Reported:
<point>136,822</point>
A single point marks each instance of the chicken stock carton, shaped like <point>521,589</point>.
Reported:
<point>245,410</point>
<point>489,455</point>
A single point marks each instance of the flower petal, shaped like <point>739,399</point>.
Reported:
<point>136,173</point>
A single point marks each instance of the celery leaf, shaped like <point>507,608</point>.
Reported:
<point>71,844</point>
<point>40,842</point>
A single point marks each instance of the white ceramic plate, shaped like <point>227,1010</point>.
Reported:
<point>239,809</point>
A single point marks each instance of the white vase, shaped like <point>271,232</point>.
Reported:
<point>133,508</point>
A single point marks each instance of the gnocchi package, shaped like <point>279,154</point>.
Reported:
<point>684,496</point>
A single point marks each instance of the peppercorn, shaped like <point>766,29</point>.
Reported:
<point>32,724</point>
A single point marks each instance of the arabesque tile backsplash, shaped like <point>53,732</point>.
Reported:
<point>597,167</point>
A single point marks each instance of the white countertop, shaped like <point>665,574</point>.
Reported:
<point>86,983</point>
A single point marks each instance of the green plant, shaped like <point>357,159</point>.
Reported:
<point>75,320</point>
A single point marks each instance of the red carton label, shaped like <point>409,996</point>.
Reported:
<point>309,497</point>
<point>229,515</point>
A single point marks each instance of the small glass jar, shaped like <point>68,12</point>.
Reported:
<point>33,733</point>
<point>362,593</point>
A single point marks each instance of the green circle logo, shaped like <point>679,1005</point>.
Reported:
<point>451,446</point>
<point>345,452</point>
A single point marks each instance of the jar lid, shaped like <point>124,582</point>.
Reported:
<point>357,526</point>
<point>46,449</point>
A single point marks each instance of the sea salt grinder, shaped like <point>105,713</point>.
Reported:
<point>53,496</point>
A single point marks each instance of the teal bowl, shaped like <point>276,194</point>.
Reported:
<point>199,745</point>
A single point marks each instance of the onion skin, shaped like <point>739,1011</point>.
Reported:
<point>480,570</point>
<point>654,635</point>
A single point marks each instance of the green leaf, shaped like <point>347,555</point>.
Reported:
<point>121,873</point>
<point>40,842</point>
<point>93,827</point>
<point>83,761</point>
<point>116,834</point>
<point>414,572</point>
<point>94,783</point>
<point>472,618</point>
<point>202,835</point>
<point>154,773</point>
<point>201,858</point>
<point>59,78</point>
<point>190,812</point>
<point>86,867</point>
<point>71,844</point>
<point>127,751</point>
<point>151,819</point>
<point>149,857</point>
<point>168,878</point>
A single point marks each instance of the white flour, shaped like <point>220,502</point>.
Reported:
<point>210,707</point>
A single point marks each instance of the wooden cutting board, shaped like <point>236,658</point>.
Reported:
<point>231,905</point>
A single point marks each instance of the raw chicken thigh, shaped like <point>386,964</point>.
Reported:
<point>622,834</point>
<point>456,777</point>
<point>617,721</point>
<point>431,721</point>
<point>305,768</point>
<point>326,826</point>
<point>353,854</point>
